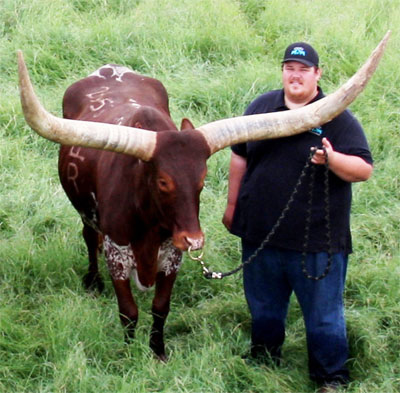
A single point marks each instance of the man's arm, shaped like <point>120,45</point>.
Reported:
<point>347,167</point>
<point>237,169</point>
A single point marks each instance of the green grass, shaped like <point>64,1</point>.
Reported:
<point>214,57</point>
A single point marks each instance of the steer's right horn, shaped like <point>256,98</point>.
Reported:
<point>222,133</point>
<point>134,141</point>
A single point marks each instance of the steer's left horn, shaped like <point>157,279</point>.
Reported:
<point>222,133</point>
<point>137,142</point>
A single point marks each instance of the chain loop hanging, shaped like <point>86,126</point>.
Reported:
<point>327,221</point>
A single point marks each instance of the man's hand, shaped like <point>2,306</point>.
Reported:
<point>320,155</point>
<point>347,167</point>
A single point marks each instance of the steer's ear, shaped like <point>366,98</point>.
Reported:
<point>186,124</point>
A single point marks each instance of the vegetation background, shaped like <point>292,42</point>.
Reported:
<point>214,57</point>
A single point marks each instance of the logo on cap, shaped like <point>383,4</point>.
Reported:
<point>301,52</point>
<point>298,51</point>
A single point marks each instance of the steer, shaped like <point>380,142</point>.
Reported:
<point>136,180</point>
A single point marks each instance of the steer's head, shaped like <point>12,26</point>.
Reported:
<point>179,163</point>
<point>179,158</point>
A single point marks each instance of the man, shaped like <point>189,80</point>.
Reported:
<point>263,175</point>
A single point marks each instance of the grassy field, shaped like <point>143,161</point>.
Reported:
<point>214,57</point>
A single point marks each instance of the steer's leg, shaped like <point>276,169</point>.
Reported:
<point>120,261</point>
<point>128,311</point>
<point>160,310</point>
<point>92,280</point>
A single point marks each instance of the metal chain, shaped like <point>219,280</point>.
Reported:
<point>327,222</point>
<point>219,275</point>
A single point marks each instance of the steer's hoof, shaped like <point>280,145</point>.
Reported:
<point>159,350</point>
<point>162,357</point>
<point>93,282</point>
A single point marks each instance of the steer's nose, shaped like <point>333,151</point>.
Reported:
<point>195,243</point>
<point>184,240</point>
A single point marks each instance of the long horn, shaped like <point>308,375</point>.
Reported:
<point>137,142</point>
<point>222,133</point>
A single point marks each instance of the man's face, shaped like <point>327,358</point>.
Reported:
<point>300,81</point>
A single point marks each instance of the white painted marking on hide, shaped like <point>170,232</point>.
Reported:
<point>120,259</point>
<point>169,258</point>
<point>119,120</point>
<point>72,167</point>
<point>72,174</point>
<point>99,100</point>
<point>134,103</point>
<point>97,73</point>
<point>100,104</point>
<point>74,152</point>
<point>98,94</point>
<point>118,72</point>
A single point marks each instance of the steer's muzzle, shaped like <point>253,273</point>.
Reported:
<point>184,240</point>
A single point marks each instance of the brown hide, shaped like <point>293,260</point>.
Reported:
<point>129,201</point>
<point>136,101</point>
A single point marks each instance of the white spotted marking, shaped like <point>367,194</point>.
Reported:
<point>169,258</point>
<point>122,264</point>
<point>120,259</point>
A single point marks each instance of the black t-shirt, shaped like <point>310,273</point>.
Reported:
<point>273,169</point>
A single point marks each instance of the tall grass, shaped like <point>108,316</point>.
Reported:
<point>214,57</point>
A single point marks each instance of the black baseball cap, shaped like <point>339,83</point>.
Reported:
<point>303,53</point>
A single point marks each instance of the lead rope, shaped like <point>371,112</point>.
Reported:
<point>219,275</point>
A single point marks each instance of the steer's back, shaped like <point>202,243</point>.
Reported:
<point>112,94</point>
<point>90,177</point>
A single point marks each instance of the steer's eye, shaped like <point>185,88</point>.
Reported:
<point>163,185</point>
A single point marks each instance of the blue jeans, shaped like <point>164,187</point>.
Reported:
<point>269,281</point>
